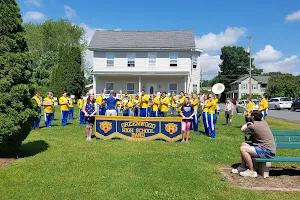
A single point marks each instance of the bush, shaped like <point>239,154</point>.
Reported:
<point>16,108</point>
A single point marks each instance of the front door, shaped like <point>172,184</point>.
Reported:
<point>150,88</point>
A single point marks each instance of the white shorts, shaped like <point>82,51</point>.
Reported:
<point>111,113</point>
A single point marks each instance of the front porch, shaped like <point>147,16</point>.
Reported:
<point>233,94</point>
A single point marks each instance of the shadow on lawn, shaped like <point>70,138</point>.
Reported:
<point>33,148</point>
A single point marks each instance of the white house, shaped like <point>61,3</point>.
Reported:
<point>151,60</point>
<point>240,87</point>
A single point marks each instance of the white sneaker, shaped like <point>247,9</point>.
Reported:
<point>238,170</point>
<point>249,173</point>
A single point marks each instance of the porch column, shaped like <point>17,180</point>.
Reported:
<point>185,84</point>
<point>94,84</point>
<point>140,85</point>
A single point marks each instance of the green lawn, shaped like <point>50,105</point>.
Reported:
<point>64,166</point>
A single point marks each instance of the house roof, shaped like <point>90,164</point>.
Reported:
<point>181,39</point>
<point>260,79</point>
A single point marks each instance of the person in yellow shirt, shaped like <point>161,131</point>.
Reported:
<point>38,100</point>
<point>181,101</point>
<point>80,106</point>
<point>136,103</point>
<point>174,101</point>
<point>212,106</point>
<point>53,101</point>
<point>144,99</point>
<point>263,106</point>
<point>164,104</point>
<point>71,107</point>
<point>195,104</point>
<point>48,110</point>
<point>155,105</point>
<point>205,114</point>
<point>249,109</point>
<point>127,106</point>
<point>64,107</point>
<point>101,103</point>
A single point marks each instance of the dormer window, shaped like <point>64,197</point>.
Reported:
<point>173,59</point>
<point>131,59</point>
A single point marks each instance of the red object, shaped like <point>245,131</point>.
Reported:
<point>233,101</point>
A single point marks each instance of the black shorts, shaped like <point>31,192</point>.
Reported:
<point>89,121</point>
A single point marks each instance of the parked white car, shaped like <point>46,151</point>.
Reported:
<point>280,102</point>
<point>241,105</point>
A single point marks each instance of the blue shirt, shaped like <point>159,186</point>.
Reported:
<point>111,103</point>
<point>187,110</point>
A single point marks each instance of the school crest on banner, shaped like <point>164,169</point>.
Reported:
<point>137,128</point>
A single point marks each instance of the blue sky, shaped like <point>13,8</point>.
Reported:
<point>274,25</point>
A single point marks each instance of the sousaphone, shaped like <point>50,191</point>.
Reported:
<point>218,88</point>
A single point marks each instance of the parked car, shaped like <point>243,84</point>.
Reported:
<point>280,102</point>
<point>295,104</point>
<point>241,106</point>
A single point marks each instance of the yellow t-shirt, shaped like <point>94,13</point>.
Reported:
<point>37,99</point>
<point>144,103</point>
<point>155,104</point>
<point>181,101</point>
<point>48,105</point>
<point>263,105</point>
<point>173,102</point>
<point>212,106</point>
<point>80,103</point>
<point>71,102</point>
<point>63,101</point>
<point>195,104</point>
<point>164,107</point>
<point>249,108</point>
<point>205,108</point>
<point>127,103</point>
<point>99,100</point>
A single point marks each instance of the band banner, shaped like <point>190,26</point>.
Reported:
<point>138,128</point>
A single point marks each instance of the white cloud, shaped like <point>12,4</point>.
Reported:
<point>295,16</point>
<point>117,29</point>
<point>210,65</point>
<point>214,42</point>
<point>36,3</point>
<point>70,13</point>
<point>33,16</point>
<point>267,54</point>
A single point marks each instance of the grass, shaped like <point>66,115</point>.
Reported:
<point>63,165</point>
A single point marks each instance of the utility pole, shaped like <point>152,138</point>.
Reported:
<point>250,68</point>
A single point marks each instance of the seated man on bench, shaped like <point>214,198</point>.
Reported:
<point>263,144</point>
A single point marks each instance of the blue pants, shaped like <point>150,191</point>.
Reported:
<point>195,121</point>
<point>173,111</point>
<point>143,112</point>
<point>149,111</point>
<point>64,117</point>
<point>81,117</point>
<point>136,112</point>
<point>154,113</point>
<point>71,113</point>
<point>103,110</point>
<point>164,114</point>
<point>247,119</point>
<point>205,122</point>
<point>48,119</point>
<point>212,125</point>
<point>126,113</point>
<point>36,124</point>
<point>53,113</point>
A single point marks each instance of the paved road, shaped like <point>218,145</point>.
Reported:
<point>285,115</point>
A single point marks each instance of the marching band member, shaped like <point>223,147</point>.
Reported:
<point>64,107</point>
<point>71,107</point>
<point>205,114</point>
<point>99,101</point>
<point>263,106</point>
<point>149,109</point>
<point>155,105</point>
<point>249,109</point>
<point>136,104</point>
<point>212,106</point>
<point>48,110</point>
<point>144,99</point>
<point>111,103</point>
<point>195,105</point>
<point>38,100</point>
<point>164,104</point>
<point>126,106</point>
<point>181,101</point>
<point>80,106</point>
<point>174,101</point>
<point>53,105</point>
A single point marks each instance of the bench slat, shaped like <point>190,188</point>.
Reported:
<point>278,159</point>
<point>285,133</point>
<point>286,139</point>
<point>288,146</point>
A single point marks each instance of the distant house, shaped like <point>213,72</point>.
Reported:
<point>151,60</point>
<point>240,87</point>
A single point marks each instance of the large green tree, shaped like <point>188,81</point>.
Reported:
<point>68,75</point>
<point>283,85</point>
<point>16,109</point>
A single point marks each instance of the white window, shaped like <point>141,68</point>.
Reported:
<point>195,87</point>
<point>109,86</point>
<point>173,87</point>
<point>131,59</point>
<point>130,88</point>
<point>110,59</point>
<point>152,59</point>
<point>173,59</point>
<point>195,61</point>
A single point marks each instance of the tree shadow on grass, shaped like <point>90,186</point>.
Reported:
<point>33,148</point>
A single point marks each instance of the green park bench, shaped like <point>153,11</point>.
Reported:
<point>283,140</point>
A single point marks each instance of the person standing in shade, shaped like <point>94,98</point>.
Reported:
<point>205,115</point>
<point>38,100</point>
<point>80,106</point>
<point>174,101</point>
<point>249,109</point>
<point>181,102</point>
<point>212,116</point>
<point>48,110</point>
<point>229,109</point>
<point>64,107</point>
<point>263,106</point>
<point>164,105</point>
<point>195,104</point>
<point>136,104</point>
<point>89,109</point>
<point>144,99</point>
<point>111,103</point>
<point>71,107</point>
<point>155,105</point>
<point>187,113</point>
